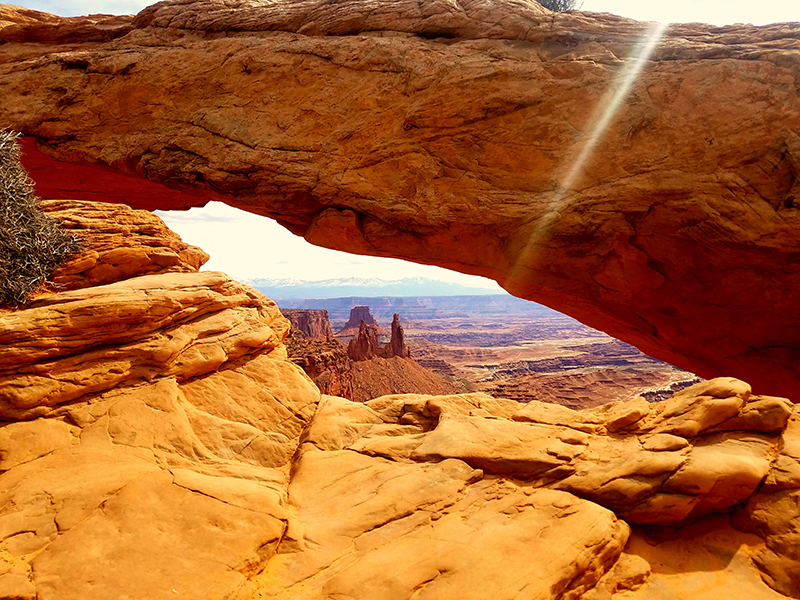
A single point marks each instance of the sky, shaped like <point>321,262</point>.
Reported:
<point>248,246</point>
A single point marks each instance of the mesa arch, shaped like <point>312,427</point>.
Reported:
<point>444,136</point>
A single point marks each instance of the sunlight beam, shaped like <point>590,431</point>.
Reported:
<point>602,118</point>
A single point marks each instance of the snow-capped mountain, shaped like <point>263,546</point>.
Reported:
<point>357,286</point>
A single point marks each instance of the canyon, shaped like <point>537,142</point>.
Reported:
<point>155,439</point>
<point>478,137</point>
<point>354,364</point>
<point>501,345</point>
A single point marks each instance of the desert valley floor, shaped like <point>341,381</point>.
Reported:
<point>512,348</point>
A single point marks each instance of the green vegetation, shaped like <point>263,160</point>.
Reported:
<point>561,5</point>
<point>32,245</point>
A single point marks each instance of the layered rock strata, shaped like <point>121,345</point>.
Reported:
<point>117,243</point>
<point>199,462</point>
<point>653,197</point>
<point>311,323</point>
<point>147,427</point>
<point>325,362</point>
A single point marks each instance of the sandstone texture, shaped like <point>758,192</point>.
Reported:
<point>656,464</point>
<point>155,442</point>
<point>653,197</point>
<point>117,243</point>
<point>147,425</point>
<point>325,362</point>
<point>311,323</point>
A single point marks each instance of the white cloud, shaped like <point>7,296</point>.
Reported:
<point>74,8</point>
<point>716,12</point>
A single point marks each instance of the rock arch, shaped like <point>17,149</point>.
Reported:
<point>450,137</point>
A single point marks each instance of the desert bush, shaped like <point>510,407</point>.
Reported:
<point>32,245</point>
<point>561,5</point>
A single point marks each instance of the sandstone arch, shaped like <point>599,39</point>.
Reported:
<point>449,137</point>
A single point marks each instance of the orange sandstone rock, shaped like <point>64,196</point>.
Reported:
<point>155,442</point>
<point>149,424</point>
<point>118,242</point>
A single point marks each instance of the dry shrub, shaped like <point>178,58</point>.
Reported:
<point>32,245</point>
<point>561,5</point>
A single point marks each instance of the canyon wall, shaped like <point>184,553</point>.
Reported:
<point>653,196</point>
<point>312,323</point>
<point>325,362</point>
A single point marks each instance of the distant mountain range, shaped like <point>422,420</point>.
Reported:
<point>338,288</point>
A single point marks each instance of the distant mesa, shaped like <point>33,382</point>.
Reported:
<point>358,315</point>
<point>311,323</point>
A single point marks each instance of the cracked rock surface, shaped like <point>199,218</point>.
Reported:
<point>474,135</point>
<point>199,462</point>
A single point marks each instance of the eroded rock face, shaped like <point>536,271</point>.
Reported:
<point>649,464</point>
<point>466,136</point>
<point>198,461</point>
<point>325,362</point>
<point>397,343</point>
<point>359,314</point>
<point>117,242</point>
<point>365,345</point>
<point>147,425</point>
<point>311,323</point>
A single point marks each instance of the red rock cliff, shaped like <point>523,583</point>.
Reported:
<point>365,345</point>
<point>312,323</point>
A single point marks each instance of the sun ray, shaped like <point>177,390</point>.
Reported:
<point>598,124</point>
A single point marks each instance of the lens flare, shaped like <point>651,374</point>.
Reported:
<point>598,125</point>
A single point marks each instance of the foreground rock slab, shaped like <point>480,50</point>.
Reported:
<point>409,531</point>
<point>483,137</point>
